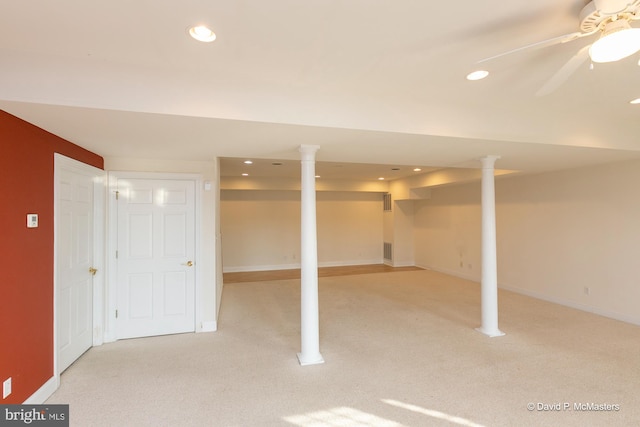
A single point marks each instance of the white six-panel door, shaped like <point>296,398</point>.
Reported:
<point>155,257</point>
<point>74,259</point>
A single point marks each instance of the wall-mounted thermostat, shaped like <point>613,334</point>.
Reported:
<point>32,220</point>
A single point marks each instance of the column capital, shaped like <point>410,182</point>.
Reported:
<point>308,151</point>
<point>488,161</point>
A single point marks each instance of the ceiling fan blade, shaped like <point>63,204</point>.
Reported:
<point>563,74</point>
<point>544,43</point>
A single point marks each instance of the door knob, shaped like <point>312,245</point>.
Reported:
<point>93,271</point>
<point>189,264</point>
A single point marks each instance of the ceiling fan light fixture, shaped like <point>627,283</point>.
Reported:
<point>618,40</point>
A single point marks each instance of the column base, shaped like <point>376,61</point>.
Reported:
<point>491,334</point>
<point>310,360</point>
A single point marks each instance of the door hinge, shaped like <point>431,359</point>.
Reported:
<point>117,194</point>
<point>116,254</point>
<point>116,314</point>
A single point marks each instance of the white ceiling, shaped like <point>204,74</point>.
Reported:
<point>369,81</point>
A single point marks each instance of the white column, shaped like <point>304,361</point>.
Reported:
<point>489,283</point>
<point>309,317</point>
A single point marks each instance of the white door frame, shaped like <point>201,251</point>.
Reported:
<point>99,178</point>
<point>110,333</point>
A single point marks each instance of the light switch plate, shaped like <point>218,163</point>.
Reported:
<point>32,220</point>
<point>6,388</point>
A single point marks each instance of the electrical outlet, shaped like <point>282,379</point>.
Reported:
<point>6,388</point>
<point>587,291</point>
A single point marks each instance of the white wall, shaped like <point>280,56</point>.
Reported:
<point>398,230</point>
<point>261,229</point>
<point>557,233</point>
<point>447,231</point>
<point>211,278</point>
<point>403,245</point>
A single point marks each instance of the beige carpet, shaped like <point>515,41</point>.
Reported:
<point>400,350</point>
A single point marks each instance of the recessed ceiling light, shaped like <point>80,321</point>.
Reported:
<point>635,101</point>
<point>202,33</point>
<point>477,75</point>
<point>417,169</point>
<point>381,179</point>
<point>317,176</point>
<point>248,162</point>
<point>245,174</point>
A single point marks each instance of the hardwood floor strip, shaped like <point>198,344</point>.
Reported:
<point>263,276</point>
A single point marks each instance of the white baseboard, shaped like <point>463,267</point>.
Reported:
<point>209,326</point>
<point>44,392</point>
<point>402,264</point>
<point>348,263</point>
<point>454,273</point>
<point>242,269</point>
<point>533,294</point>
<point>568,303</point>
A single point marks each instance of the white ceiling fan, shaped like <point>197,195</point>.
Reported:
<point>618,40</point>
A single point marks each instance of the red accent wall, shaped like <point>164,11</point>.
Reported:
<point>26,254</point>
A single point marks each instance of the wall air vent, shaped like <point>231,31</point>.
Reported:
<point>386,198</point>
<point>387,251</point>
